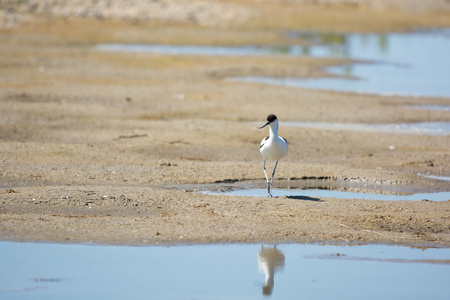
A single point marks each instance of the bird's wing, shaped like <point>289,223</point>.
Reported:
<point>263,141</point>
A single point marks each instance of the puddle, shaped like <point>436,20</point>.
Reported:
<point>316,190</point>
<point>408,64</point>
<point>431,107</point>
<point>319,46</point>
<point>423,128</point>
<point>317,195</point>
<point>443,178</point>
<point>204,50</point>
<point>291,271</point>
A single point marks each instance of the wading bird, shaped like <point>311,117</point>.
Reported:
<point>272,147</point>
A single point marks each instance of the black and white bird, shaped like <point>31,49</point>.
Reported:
<point>272,147</point>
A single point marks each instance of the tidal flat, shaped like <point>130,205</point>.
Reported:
<point>90,138</point>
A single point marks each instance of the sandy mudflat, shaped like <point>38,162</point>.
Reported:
<point>89,139</point>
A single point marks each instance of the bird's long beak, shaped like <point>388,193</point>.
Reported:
<point>264,125</point>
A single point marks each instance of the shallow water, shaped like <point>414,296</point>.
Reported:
<point>316,190</point>
<point>317,195</point>
<point>443,178</point>
<point>396,63</point>
<point>189,49</point>
<point>412,64</point>
<point>423,128</point>
<point>431,107</point>
<point>309,271</point>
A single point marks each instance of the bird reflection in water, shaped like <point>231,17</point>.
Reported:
<point>270,260</point>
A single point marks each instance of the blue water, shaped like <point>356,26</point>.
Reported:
<point>188,49</point>
<point>405,64</point>
<point>443,178</point>
<point>423,128</point>
<point>431,107</point>
<point>318,194</point>
<point>311,271</point>
<point>413,64</point>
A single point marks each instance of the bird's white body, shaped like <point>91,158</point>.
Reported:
<point>272,147</point>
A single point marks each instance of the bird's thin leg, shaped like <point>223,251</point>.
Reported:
<point>267,178</point>
<point>273,174</point>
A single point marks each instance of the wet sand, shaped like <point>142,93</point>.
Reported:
<point>90,139</point>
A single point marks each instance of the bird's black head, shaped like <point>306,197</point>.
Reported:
<point>270,118</point>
